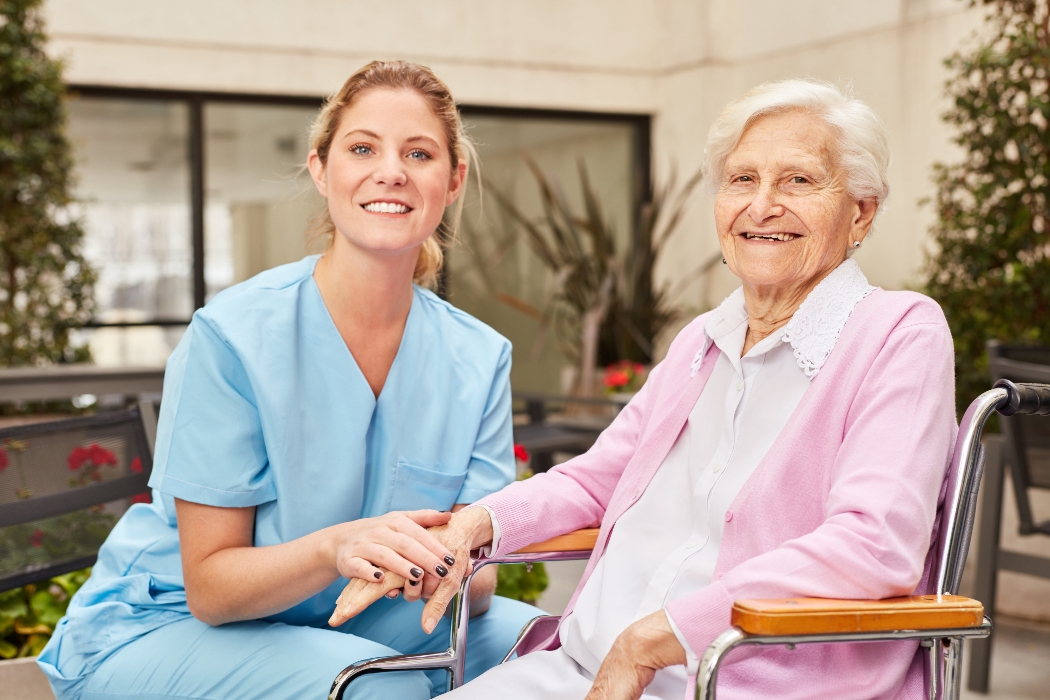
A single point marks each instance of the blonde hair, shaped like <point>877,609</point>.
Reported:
<point>397,75</point>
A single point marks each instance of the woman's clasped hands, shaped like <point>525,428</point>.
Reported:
<point>396,555</point>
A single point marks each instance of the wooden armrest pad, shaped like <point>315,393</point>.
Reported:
<point>788,616</point>
<point>579,541</point>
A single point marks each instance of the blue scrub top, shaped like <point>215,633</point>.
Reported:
<point>264,406</point>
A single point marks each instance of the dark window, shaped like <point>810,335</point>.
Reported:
<point>183,194</point>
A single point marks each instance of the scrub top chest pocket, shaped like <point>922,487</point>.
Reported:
<point>416,488</point>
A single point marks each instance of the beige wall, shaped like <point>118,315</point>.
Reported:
<point>678,60</point>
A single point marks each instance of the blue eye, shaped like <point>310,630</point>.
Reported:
<point>361,149</point>
<point>419,154</point>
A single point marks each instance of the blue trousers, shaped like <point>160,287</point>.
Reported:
<point>257,659</point>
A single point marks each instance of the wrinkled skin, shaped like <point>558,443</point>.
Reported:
<point>782,184</point>
<point>781,181</point>
<point>467,530</point>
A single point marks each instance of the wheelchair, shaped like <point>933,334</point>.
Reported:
<point>940,620</point>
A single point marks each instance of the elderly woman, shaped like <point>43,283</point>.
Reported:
<point>793,442</point>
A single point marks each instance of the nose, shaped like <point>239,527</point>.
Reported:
<point>766,203</point>
<point>390,170</point>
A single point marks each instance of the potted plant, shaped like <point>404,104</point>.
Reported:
<point>603,302</point>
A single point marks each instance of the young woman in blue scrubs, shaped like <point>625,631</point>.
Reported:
<point>316,419</point>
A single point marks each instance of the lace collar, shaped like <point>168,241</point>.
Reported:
<point>819,320</point>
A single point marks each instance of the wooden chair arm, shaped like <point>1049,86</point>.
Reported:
<point>796,616</point>
<point>578,541</point>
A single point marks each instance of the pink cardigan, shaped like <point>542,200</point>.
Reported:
<point>843,505</point>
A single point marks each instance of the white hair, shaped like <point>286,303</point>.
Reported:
<point>862,147</point>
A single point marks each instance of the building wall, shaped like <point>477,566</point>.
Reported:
<point>679,60</point>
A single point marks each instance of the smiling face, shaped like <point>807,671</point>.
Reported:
<point>784,215</point>
<point>388,175</point>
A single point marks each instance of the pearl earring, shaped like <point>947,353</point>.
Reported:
<point>856,244</point>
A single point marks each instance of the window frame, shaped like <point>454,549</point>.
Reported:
<point>195,100</point>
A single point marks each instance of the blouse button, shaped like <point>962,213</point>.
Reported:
<point>729,515</point>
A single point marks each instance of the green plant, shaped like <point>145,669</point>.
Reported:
<point>46,285</point>
<point>28,615</point>
<point>990,269</point>
<point>522,582</point>
<point>604,303</point>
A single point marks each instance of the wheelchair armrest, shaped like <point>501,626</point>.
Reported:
<point>799,616</point>
<point>578,541</point>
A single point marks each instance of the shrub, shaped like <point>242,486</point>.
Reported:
<point>991,267</point>
<point>46,285</point>
<point>28,615</point>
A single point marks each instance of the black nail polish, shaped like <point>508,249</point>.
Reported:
<point>416,572</point>
<point>413,583</point>
<point>450,560</point>
<point>442,571</point>
<point>378,574</point>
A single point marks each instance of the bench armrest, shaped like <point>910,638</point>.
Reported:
<point>797,616</point>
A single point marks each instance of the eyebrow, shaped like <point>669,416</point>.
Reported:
<point>377,137</point>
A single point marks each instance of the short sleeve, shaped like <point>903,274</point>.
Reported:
<point>210,446</point>
<point>491,464</point>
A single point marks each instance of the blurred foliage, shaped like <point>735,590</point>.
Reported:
<point>28,615</point>
<point>518,582</point>
<point>604,304</point>
<point>31,546</point>
<point>46,285</point>
<point>991,267</point>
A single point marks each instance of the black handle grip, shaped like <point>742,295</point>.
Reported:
<point>1025,399</point>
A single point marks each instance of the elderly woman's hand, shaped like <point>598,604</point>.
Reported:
<point>465,531</point>
<point>637,654</point>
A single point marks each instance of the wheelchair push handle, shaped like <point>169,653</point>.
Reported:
<point>1024,399</point>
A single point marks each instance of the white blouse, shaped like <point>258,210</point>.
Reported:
<point>666,545</point>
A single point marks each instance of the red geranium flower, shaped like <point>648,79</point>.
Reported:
<point>142,498</point>
<point>136,465</point>
<point>100,455</point>
<point>615,378</point>
<point>4,461</point>
<point>77,457</point>
<point>37,538</point>
<point>520,453</point>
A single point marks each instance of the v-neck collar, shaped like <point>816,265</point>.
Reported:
<point>337,337</point>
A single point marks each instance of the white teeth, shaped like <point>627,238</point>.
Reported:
<point>386,208</point>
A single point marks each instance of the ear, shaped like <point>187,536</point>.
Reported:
<point>317,172</point>
<point>863,216</point>
<point>455,185</point>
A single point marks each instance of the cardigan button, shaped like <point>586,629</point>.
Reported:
<point>729,515</point>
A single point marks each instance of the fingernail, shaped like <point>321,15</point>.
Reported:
<point>442,571</point>
<point>378,574</point>
<point>428,626</point>
<point>450,560</point>
<point>416,572</point>
<point>413,583</point>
